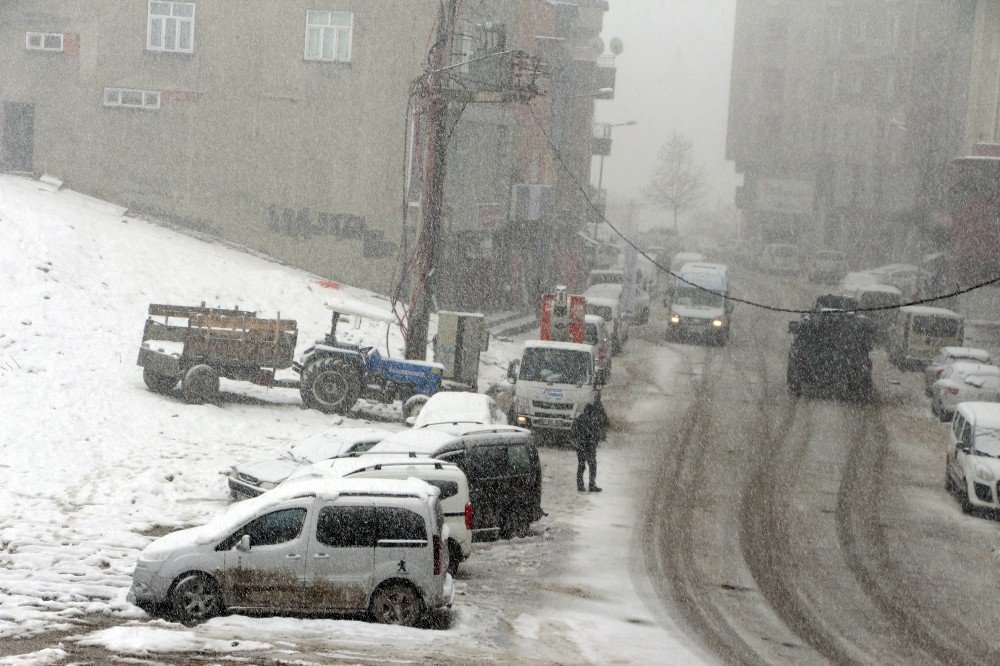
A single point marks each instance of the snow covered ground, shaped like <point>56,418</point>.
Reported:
<point>92,465</point>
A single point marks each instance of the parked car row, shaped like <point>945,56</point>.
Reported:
<point>357,520</point>
<point>960,374</point>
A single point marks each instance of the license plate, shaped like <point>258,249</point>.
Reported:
<point>547,422</point>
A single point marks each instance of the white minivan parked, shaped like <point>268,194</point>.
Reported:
<point>972,461</point>
<point>445,476</point>
<point>337,546</point>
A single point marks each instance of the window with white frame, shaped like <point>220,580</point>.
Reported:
<point>328,35</point>
<point>171,27</point>
<point>132,98</point>
<point>43,41</point>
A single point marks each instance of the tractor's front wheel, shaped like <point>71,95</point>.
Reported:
<point>330,385</point>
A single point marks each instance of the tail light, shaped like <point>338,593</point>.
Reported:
<point>437,555</point>
<point>953,391</point>
<point>800,359</point>
<point>864,365</point>
<point>601,353</point>
<point>468,515</point>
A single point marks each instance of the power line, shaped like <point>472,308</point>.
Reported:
<point>764,306</point>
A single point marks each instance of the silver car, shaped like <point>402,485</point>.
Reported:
<point>338,546</point>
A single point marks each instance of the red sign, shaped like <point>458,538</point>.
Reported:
<point>563,317</point>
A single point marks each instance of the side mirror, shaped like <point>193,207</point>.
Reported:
<point>411,421</point>
<point>243,545</point>
<point>512,369</point>
<point>793,327</point>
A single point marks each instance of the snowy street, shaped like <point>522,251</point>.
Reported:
<point>95,466</point>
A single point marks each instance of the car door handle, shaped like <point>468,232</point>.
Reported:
<point>321,556</point>
<point>293,557</point>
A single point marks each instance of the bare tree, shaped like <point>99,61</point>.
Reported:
<point>678,183</point>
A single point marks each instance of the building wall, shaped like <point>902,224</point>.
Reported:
<point>983,119</point>
<point>252,141</point>
<point>844,115</point>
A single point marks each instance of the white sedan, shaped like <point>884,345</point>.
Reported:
<point>948,356</point>
<point>964,382</point>
<point>254,478</point>
<point>456,410</point>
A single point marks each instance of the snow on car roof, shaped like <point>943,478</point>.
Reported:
<point>605,290</point>
<point>986,414</point>
<point>966,352</point>
<point>453,407</point>
<point>926,310</point>
<point>346,466</point>
<point>881,288</point>
<point>593,319</point>
<point>703,267</point>
<point>553,344</point>
<point>963,368</point>
<point>323,488</point>
<point>421,440</point>
<point>335,442</point>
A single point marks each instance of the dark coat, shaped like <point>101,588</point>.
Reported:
<point>592,426</point>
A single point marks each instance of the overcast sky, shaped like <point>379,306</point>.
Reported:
<point>673,75</point>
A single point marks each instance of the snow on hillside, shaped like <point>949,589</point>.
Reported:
<point>90,457</point>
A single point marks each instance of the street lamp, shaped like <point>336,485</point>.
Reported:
<point>606,135</point>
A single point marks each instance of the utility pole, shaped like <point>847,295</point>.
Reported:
<point>432,198</point>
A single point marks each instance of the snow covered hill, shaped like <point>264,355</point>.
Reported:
<point>90,457</point>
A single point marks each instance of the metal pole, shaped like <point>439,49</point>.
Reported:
<point>433,195</point>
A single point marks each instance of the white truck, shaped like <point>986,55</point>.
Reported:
<point>554,385</point>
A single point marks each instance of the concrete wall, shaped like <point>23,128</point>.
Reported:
<point>301,159</point>
<point>983,119</point>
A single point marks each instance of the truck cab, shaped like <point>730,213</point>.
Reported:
<point>554,382</point>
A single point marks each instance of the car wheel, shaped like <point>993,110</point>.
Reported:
<point>943,415</point>
<point>158,383</point>
<point>330,385</point>
<point>200,384</point>
<point>195,597</point>
<point>454,556</point>
<point>949,483</point>
<point>396,603</point>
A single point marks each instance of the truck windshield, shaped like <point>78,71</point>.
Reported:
<point>555,366</point>
<point>936,327</point>
<point>688,295</point>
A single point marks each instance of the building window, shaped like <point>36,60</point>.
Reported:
<point>171,27</point>
<point>329,35</point>
<point>132,99</point>
<point>43,41</point>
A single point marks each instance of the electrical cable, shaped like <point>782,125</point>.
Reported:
<point>764,306</point>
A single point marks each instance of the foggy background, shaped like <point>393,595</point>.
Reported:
<point>672,75</point>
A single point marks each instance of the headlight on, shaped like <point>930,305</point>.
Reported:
<point>675,319</point>
<point>717,323</point>
<point>984,474</point>
<point>522,420</point>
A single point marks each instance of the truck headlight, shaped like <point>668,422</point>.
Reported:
<point>717,323</point>
<point>985,474</point>
<point>675,318</point>
<point>522,420</point>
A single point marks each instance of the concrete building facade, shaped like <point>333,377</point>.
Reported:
<point>279,127</point>
<point>844,116</point>
<point>983,118</point>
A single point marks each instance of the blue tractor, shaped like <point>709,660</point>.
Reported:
<point>334,375</point>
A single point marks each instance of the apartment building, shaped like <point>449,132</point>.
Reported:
<point>983,118</point>
<point>278,126</point>
<point>844,115</point>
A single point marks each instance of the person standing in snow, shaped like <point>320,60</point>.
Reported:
<point>589,430</point>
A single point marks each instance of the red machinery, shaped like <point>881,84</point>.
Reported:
<point>563,316</point>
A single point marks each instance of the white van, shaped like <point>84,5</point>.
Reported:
<point>444,476</point>
<point>920,332</point>
<point>699,304</point>
<point>972,460</point>
<point>343,545</point>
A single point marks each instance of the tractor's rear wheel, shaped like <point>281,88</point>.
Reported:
<point>200,384</point>
<point>330,385</point>
<point>158,383</point>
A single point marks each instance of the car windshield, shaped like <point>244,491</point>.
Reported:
<point>988,442</point>
<point>936,327</point>
<point>692,296</point>
<point>590,334</point>
<point>555,366</point>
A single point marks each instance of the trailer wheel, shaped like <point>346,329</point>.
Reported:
<point>200,385</point>
<point>330,385</point>
<point>158,383</point>
<point>413,406</point>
